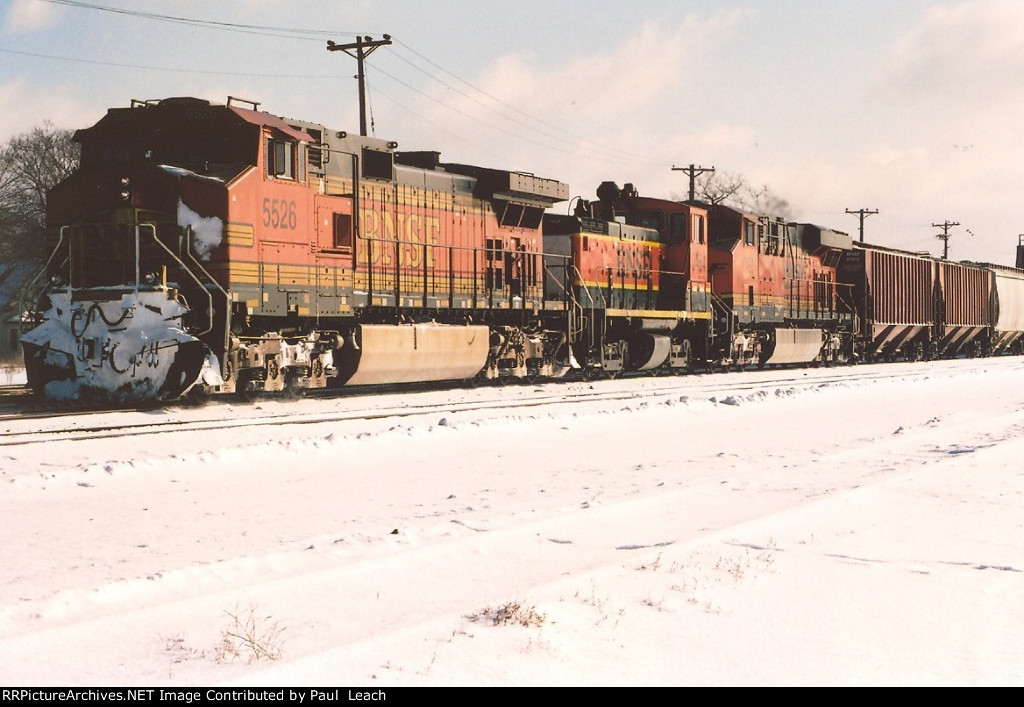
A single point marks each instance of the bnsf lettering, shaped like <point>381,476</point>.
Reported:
<point>279,213</point>
<point>632,261</point>
<point>411,230</point>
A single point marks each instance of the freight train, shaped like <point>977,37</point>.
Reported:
<point>208,248</point>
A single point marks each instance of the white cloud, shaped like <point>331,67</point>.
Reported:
<point>29,15</point>
<point>968,52</point>
<point>622,111</point>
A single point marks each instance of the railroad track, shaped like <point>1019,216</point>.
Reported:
<point>27,428</point>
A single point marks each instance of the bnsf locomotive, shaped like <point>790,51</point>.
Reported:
<point>205,248</point>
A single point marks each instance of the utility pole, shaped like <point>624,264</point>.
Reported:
<point>692,172</point>
<point>863,213</point>
<point>363,47</point>
<point>944,236</point>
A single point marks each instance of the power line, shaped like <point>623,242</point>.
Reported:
<point>603,149</point>
<point>301,33</point>
<point>78,60</point>
<point>578,144</point>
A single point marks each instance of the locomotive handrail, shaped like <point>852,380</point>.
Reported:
<point>187,270</point>
<point>31,284</point>
<point>403,269</point>
<point>213,281</point>
<point>716,300</point>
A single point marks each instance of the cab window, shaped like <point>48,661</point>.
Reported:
<point>282,158</point>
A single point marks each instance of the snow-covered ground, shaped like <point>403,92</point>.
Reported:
<point>763,528</point>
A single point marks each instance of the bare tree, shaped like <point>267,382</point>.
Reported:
<point>30,164</point>
<point>719,186</point>
<point>733,190</point>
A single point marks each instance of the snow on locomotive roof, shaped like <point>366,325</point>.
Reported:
<point>182,172</point>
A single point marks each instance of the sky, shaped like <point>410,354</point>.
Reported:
<point>911,108</point>
<point>788,527</point>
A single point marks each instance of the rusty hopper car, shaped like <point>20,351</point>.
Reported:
<point>964,310</point>
<point>914,306</point>
<point>893,292</point>
<point>219,248</point>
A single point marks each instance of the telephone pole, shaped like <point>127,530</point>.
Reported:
<point>362,48</point>
<point>863,213</point>
<point>944,236</point>
<point>692,172</point>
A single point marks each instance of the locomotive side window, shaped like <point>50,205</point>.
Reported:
<point>698,229</point>
<point>511,214</point>
<point>281,158</point>
<point>772,243</point>
<point>677,228</point>
<point>649,219</point>
<point>377,164</point>
<point>532,216</point>
<point>342,231</point>
<point>520,215</point>
<point>748,232</point>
